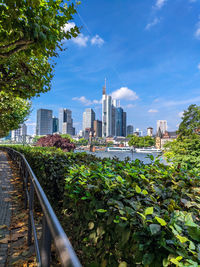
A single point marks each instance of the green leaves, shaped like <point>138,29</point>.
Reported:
<point>161,221</point>
<point>148,211</point>
<point>119,209</point>
<point>154,228</point>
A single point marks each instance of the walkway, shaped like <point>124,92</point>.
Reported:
<point>5,206</point>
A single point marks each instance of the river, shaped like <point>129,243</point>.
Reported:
<point>122,155</point>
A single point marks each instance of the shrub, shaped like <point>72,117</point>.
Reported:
<point>57,141</point>
<point>131,214</point>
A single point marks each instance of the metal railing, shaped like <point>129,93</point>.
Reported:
<point>51,228</point>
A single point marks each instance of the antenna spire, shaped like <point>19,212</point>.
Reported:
<point>104,88</point>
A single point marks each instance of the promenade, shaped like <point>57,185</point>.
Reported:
<point>5,206</point>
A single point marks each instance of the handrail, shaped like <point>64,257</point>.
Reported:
<point>51,228</point>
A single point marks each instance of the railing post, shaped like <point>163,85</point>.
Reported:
<point>31,199</point>
<point>45,250</point>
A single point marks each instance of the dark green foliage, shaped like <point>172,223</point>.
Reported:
<point>122,213</point>
<point>190,121</point>
<point>140,141</point>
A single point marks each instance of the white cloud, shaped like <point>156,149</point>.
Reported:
<point>160,3</point>
<point>68,26</point>
<point>152,110</point>
<point>81,40</point>
<point>180,114</point>
<point>130,106</point>
<point>181,102</point>
<point>85,101</point>
<point>97,40</point>
<point>151,24</point>
<point>124,93</point>
<point>30,123</point>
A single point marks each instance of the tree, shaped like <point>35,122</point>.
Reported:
<point>190,121</point>
<point>31,32</point>
<point>13,112</point>
<point>140,141</point>
<point>57,141</point>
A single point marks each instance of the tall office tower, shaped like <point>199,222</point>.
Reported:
<point>114,116</point>
<point>98,128</point>
<point>106,114</point>
<point>162,124</point>
<point>129,130</point>
<point>119,121</point>
<point>55,125</point>
<point>19,133</point>
<point>150,131</point>
<point>44,122</point>
<point>124,124</point>
<point>66,122</point>
<point>88,118</point>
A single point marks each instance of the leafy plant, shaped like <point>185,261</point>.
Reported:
<point>57,141</point>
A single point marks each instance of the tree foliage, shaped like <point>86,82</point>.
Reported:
<point>13,112</point>
<point>190,121</point>
<point>31,32</point>
<point>57,141</point>
<point>140,141</point>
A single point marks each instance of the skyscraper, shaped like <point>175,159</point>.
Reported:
<point>124,124</point>
<point>162,124</point>
<point>44,122</point>
<point>119,121</point>
<point>150,131</point>
<point>98,128</point>
<point>106,114</point>
<point>88,119</point>
<point>55,125</point>
<point>129,130</point>
<point>66,122</point>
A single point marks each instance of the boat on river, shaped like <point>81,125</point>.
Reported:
<point>148,150</point>
<point>119,149</point>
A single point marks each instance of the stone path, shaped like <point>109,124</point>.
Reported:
<point>5,205</point>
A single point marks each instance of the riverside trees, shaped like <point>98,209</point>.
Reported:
<point>31,34</point>
<point>185,151</point>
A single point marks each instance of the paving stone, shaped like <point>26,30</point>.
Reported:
<point>5,204</point>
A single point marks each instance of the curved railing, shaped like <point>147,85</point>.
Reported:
<point>51,228</point>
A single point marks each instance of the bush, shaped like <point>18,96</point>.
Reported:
<point>120,213</point>
<point>131,214</point>
<point>57,141</point>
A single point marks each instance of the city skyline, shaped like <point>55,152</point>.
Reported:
<point>153,67</point>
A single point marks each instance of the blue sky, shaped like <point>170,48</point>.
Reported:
<point>149,52</point>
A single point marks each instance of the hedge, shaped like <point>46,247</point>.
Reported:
<point>121,213</point>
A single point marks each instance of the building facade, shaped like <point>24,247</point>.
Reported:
<point>66,122</point>
<point>55,126</point>
<point>20,133</point>
<point>98,128</point>
<point>129,130</point>
<point>44,123</point>
<point>162,124</point>
<point>150,131</point>
<point>88,119</point>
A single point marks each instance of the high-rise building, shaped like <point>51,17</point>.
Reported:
<point>55,125</point>
<point>44,122</point>
<point>19,133</point>
<point>66,122</point>
<point>113,117</point>
<point>106,114</point>
<point>162,124</point>
<point>119,121</point>
<point>150,131</point>
<point>98,128</point>
<point>88,118</point>
<point>129,130</point>
<point>124,124</point>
